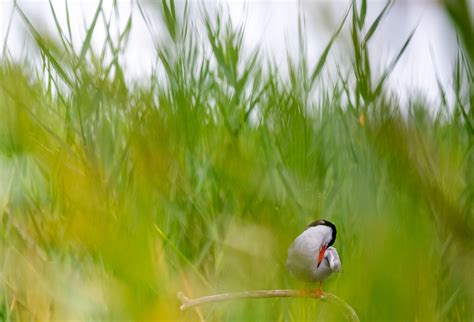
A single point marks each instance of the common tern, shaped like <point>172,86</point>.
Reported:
<point>311,257</point>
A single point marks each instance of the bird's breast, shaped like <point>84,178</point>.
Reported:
<point>303,259</point>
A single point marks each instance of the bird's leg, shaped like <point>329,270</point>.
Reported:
<point>319,291</point>
<point>309,291</point>
<point>313,291</point>
<point>306,290</point>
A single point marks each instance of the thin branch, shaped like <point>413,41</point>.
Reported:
<point>326,297</point>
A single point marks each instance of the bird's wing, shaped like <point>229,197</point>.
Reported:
<point>334,261</point>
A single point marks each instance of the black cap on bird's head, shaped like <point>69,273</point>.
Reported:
<point>323,222</point>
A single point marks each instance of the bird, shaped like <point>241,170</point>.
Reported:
<point>311,256</point>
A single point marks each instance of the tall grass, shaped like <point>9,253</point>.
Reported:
<point>115,195</point>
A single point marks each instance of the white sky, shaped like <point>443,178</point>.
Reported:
<point>273,25</point>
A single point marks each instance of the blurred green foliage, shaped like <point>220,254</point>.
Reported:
<point>114,196</point>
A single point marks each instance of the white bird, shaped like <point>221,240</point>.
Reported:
<point>311,257</point>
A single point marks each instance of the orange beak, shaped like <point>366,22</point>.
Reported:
<point>321,255</point>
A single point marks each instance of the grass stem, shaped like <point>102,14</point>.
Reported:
<point>187,303</point>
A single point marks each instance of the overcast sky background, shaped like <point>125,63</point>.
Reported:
<point>273,25</point>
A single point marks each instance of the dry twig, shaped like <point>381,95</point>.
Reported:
<point>327,297</point>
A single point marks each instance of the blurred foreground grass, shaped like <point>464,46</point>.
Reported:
<point>115,196</point>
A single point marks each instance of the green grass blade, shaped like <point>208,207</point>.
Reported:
<point>392,64</point>
<point>377,21</point>
<point>323,57</point>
